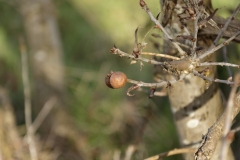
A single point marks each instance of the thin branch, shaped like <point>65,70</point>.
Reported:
<point>195,34</point>
<point>157,85</point>
<point>160,94</point>
<point>27,100</point>
<point>218,64</point>
<point>211,79</point>
<point>172,152</point>
<point>160,55</point>
<point>43,113</point>
<point>116,154</point>
<point>225,27</point>
<point>210,140</point>
<point>208,20</point>
<point>165,38</point>
<point>143,40</point>
<point>211,50</point>
<point>211,21</point>
<point>115,50</point>
<point>129,152</point>
<point>145,7</point>
<point>228,120</point>
<point>186,30</point>
<point>1,151</point>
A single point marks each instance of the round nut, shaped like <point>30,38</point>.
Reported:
<point>116,80</point>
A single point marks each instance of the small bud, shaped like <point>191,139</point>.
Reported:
<point>113,49</point>
<point>157,17</point>
<point>115,80</point>
<point>136,52</point>
<point>142,3</point>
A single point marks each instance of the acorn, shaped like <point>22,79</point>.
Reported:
<point>115,80</point>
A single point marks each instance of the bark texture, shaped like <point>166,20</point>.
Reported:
<point>194,107</point>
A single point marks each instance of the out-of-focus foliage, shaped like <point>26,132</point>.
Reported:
<point>226,7</point>
<point>109,120</point>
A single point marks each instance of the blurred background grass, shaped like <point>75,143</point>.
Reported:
<point>110,120</point>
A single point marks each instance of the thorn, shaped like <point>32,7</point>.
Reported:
<point>157,17</point>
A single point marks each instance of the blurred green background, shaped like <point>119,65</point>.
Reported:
<point>110,121</point>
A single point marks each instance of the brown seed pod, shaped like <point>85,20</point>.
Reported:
<point>115,80</point>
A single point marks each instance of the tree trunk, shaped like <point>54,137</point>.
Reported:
<point>48,75</point>
<point>194,107</point>
<point>45,50</point>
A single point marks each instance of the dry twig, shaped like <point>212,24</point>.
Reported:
<point>195,34</point>
<point>186,64</point>
<point>218,64</point>
<point>225,26</point>
<point>212,50</point>
<point>157,85</point>
<point>212,80</point>
<point>115,50</point>
<point>172,152</point>
<point>160,55</point>
<point>27,101</point>
<point>145,7</point>
<point>228,121</point>
<point>48,106</point>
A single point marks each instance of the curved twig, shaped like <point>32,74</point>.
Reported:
<point>172,152</point>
